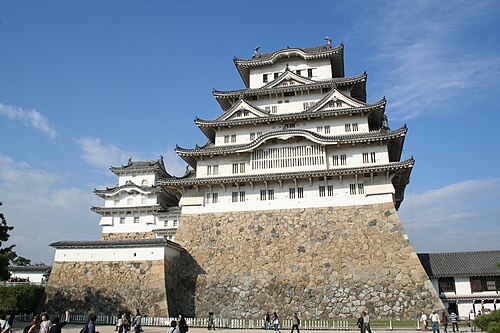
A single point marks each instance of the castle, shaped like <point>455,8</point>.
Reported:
<point>290,205</point>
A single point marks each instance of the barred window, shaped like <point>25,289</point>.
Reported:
<point>309,72</point>
<point>343,159</point>
<point>365,157</point>
<point>446,284</point>
<point>233,138</point>
<point>208,196</point>
<point>300,192</point>
<point>264,78</point>
<point>122,220</point>
<point>252,136</point>
<point>327,129</point>
<point>234,197</point>
<point>305,105</point>
<point>291,193</point>
<point>242,167</point>
<point>330,190</point>
<point>209,170</point>
<point>215,197</point>
<point>136,219</point>
<point>263,195</point>
<point>355,127</point>
<point>352,189</point>
<point>235,167</point>
<point>242,196</point>
<point>319,129</point>
<point>270,194</point>
<point>361,188</point>
<point>226,138</point>
<point>287,157</point>
<point>321,191</point>
<point>373,157</point>
<point>347,127</point>
<point>335,160</point>
<point>216,169</point>
<point>274,109</point>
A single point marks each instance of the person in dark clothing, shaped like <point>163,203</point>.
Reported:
<point>27,328</point>
<point>361,324</point>
<point>183,327</point>
<point>57,325</point>
<point>91,323</point>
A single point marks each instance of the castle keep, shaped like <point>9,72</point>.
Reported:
<point>290,205</point>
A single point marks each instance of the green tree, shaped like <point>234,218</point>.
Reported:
<point>21,261</point>
<point>6,253</point>
<point>489,322</point>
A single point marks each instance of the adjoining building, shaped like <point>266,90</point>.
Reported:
<point>30,274</point>
<point>291,205</point>
<point>465,281</point>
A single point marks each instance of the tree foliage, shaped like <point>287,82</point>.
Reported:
<point>21,261</point>
<point>6,254</point>
<point>22,298</point>
<point>489,322</point>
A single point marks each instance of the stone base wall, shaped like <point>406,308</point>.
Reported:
<point>322,262</point>
<point>128,235</point>
<point>107,287</point>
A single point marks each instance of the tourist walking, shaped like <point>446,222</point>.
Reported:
<point>211,321</point>
<point>295,322</point>
<point>276,322</point>
<point>137,321</point>
<point>454,322</point>
<point>423,320</point>
<point>57,325</point>
<point>444,321</point>
<point>4,324</point>
<point>267,321</point>
<point>472,316</point>
<point>360,323</point>
<point>173,327</point>
<point>91,323</point>
<point>435,322</point>
<point>183,326</point>
<point>366,322</point>
<point>45,324</point>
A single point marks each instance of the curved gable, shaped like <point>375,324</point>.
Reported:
<point>242,106</point>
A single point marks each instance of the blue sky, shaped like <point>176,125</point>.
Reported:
<point>85,85</point>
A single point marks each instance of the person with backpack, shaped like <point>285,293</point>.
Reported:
<point>4,324</point>
<point>91,324</point>
<point>295,322</point>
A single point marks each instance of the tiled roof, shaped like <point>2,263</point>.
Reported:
<point>223,96</point>
<point>120,209</point>
<point>141,166</point>
<point>31,268</point>
<point>461,264</point>
<point>120,243</point>
<point>128,185</point>
<point>336,54</point>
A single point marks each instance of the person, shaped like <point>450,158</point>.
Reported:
<point>137,321</point>
<point>454,321</point>
<point>4,324</point>
<point>423,320</point>
<point>118,322</point>
<point>276,322</point>
<point>57,325</point>
<point>45,324</point>
<point>183,326</point>
<point>35,328</point>
<point>366,322</point>
<point>472,316</point>
<point>444,321</point>
<point>267,321</point>
<point>360,323</point>
<point>127,322</point>
<point>295,322</point>
<point>123,324</point>
<point>211,322</point>
<point>91,323</point>
<point>27,327</point>
<point>173,327</point>
<point>435,322</point>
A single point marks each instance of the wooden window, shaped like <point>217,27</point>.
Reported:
<point>305,105</point>
<point>242,167</point>
<point>246,113</point>
<point>270,194</point>
<point>233,138</point>
<point>234,197</point>
<point>291,193</point>
<point>252,136</point>
<point>175,223</point>
<point>300,192</point>
<point>321,191</point>
<point>373,157</point>
<point>208,196</point>
<point>352,189</point>
<point>330,190</point>
<point>327,129</point>
<point>343,160</point>
<point>122,220</point>
<point>235,167</point>
<point>298,71</point>
<point>263,195</point>
<point>136,219</point>
<point>264,78</point>
<point>335,160</point>
<point>242,196</point>
<point>226,138</point>
<point>276,75</point>
<point>446,284</point>
<point>355,127</point>
<point>209,170</point>
<point>309,72</point>
<point>347,127</point>
<point>361,188</point>
<point>319,129</point>
<point>215,197</point>
<point>365,157</point>
<point>215,169</point>
<point>274,109</point>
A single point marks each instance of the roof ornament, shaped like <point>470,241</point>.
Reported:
<point>130,160</point>
<point>328,41</point>
<point>161,158</point>
<point>287,68</point>
<point>256,53</point>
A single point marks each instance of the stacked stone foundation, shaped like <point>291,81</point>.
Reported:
<point>322,262</point>
<point>109,287</point>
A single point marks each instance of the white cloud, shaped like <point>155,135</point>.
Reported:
<point>31,118</point>
<point>460,216</point>
<point>42,210</point>
<point>103,155</point>
<point>426,58</point>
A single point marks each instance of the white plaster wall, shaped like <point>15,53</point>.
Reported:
<point>341,196</point>
<point>435,285</point>
<point>115,254</point>
<point>32,276</point>
<point>137,179</point>
<point>462,286</point>
<point>321,70</point>
<point>125,198</point>
<point>111,224</point>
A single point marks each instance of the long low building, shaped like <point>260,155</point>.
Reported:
<point>465,281</point>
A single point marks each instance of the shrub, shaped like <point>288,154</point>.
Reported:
<point>489,322</point>
<point>23,298</point>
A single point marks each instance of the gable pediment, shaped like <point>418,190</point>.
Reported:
<point>243,109</point>
<point>334,100</point>
<point>288,78</point>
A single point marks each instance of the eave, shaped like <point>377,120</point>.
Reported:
<point>336,55</point>
<point>109,210</point>
<point>109,191</point>
<point>375,112</point>
<point>224,97</point>
<point>122,243</point>
<point>189,155</point>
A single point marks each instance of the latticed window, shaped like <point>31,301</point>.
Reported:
<point>235,167</point>
<point>446,284</point>
<point>215,197</point>
<point>321,191</point>
<point>233,138</point>
<point>335,160</point>
<point>347,127</point>
<point>373,157</point>
<point>242,167</point>
<point>288,157</point>
<point>365,157</point>
<point>270,194</point>
<point>355,127</point>
<point>300,192</point>
<point>361,188</point>
<point>242,196</point>
<point>209,170</point>
<point>263,195</point>
<point>252,136</point>
<point>484,283</point>
<point>291,193</point>
<point>274,109</point>
<point>330,190</point>
<point>352,189</point>
<point>327,129</point>
<point>226,138</point>
<point>343,159</point>
<point>234,197</point>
